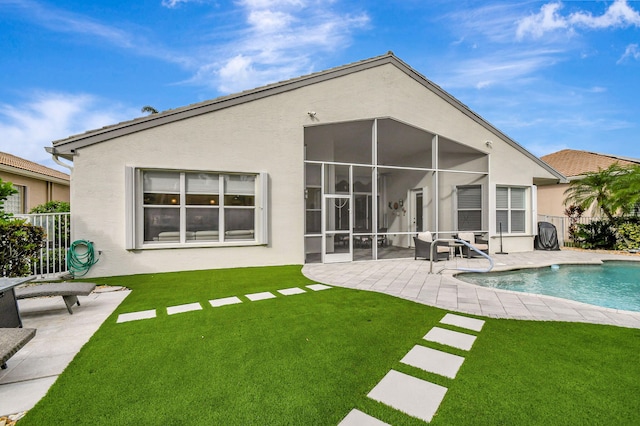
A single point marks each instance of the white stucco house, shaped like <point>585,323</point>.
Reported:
<point>340,165</point>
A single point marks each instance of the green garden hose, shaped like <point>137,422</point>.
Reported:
<point>79,262</point>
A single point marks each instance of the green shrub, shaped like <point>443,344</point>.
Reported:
<point>20,243</point>
<point>52,207</point>
<point>628,236</point>
<point>598,234</point>
<point>6,189</point>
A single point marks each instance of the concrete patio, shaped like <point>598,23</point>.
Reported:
<point>59,337</point>
<point>410,279</point>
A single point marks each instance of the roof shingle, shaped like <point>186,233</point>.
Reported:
<point>22,164</point>
<point>571,162</point>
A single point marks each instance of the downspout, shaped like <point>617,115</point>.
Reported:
<point>51,151</point>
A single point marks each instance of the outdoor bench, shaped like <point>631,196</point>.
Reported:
<point>12,340</point>
<point>69,292</point>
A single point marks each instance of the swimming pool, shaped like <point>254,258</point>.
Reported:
<point>611,285</point>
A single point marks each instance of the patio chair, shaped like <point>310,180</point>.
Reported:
<point>482,245</point>
<point>422,244</point>
<point>382,239</point>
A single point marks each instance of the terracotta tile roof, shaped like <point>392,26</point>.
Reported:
<point>22,164</point>
<point>571,162</point>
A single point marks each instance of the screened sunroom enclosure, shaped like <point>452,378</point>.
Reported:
<point>371,185</point>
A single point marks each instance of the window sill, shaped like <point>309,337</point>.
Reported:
<point>234,243</point>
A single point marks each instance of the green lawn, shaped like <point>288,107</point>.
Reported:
<point>309,359</point>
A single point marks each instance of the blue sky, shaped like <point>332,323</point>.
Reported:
<point>550,74</point>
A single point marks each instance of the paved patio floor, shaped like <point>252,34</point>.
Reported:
<point>410,279</point>
<point>59,337</point>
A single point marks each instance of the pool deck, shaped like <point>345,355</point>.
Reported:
<point>410,279</point>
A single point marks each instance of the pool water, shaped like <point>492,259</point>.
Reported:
<point>611,285</point>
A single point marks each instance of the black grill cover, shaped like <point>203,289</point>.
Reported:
<point>547,238</point>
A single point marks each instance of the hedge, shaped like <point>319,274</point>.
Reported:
<point>20,243</point>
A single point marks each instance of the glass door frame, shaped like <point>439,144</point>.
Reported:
<point>417,211</point>
<point>330,235</point>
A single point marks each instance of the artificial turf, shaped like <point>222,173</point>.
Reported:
<point>309,359</point>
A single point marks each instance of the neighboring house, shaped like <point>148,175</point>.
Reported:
<point>36,184</point>
<point>347,163</point>
<point>573,164</point>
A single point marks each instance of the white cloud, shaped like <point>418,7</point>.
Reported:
<point>63,21</point>
<point>631,52</point>
<point>548,19</point>
<point>597,89</point>
<point>279,39</point>
<point>276,40</point>
<point>495,22</point>
<point>237,72</point>
<point>69,22</point>
<point>28,127</point>
<point>267,21</point>
<point>502,67</point>
<point>619,14</point>
<point>171,4</point>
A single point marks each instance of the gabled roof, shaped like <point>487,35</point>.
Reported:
<point>66,147</point>
<point>572,162</point>
<point>18,165</point>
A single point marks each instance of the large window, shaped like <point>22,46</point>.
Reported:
<point>469,207</point>
<point>15,203</point>
<point>197,208</point>
<point>511,209</point>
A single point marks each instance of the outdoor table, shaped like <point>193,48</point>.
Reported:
<point>453,246</point>
<point>9,313</point>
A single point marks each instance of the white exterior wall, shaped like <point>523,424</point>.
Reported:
<point>412,103</point>
<point>264,135</point>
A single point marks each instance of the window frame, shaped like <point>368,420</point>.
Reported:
<point>135,210</point>
<point>510,209</point>
<point>457,208</point>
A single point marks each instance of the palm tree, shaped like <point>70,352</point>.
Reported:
<point>149,109</point>
<point>626,189</point>
<point>597,190</point>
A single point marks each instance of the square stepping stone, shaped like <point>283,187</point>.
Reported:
<point>463,322</point>
<point>433,361</point>
<point>135,316</point>
<point>215,303</point>
<point>451,338</point>
<point>415,397</point>
<point>318,287</point>
<point>290,291</point>
<point>171,310</point>
<point>260,296</point>
<point>358,418</point>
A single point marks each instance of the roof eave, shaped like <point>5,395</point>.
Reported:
<point>35,175</point>
<point>66,148</point>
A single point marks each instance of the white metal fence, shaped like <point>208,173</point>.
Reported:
<point>52,259</point>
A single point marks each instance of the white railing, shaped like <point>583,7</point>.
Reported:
<point>52,259</point>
